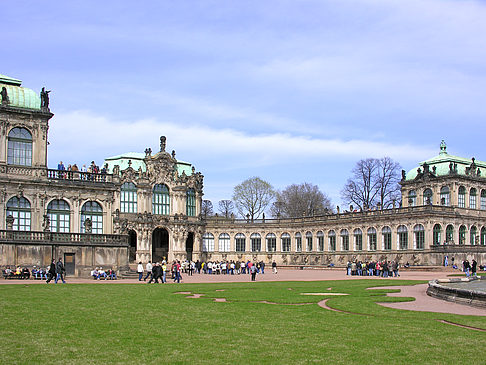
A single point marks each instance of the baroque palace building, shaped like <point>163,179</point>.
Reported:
<point>146,206</point>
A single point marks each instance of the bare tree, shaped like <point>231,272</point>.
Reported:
<point>207,208</point>
<point>299,200</point>
<point>226,207</point>
<point>252,197</point>
<point>374,181</point>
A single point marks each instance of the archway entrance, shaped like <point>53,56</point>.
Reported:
<point>132,239</point>
<point>190,245</point>
<point>160,244</point>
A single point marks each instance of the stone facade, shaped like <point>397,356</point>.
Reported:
<point>148,207</point>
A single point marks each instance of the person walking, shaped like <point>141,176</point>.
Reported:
<point>253,272</point>
<point>60,271</point>
<point>274,267</point>
<point>149,270</point>
<point>140,271</point>
<point>52,271</point>
<point>474,267</point>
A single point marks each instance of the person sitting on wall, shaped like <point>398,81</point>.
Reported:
<point>35,272</point>
<point>102,274</point>
<point>95,274</point>
<point>111,274</point>
<point>25,273</point>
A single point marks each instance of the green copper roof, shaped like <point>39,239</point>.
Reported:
<point>137,161</point>
<point>442,163</point>
<point>20,97</point>
<point>135,158</point>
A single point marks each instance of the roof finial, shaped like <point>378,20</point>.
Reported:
<point>443,148</point>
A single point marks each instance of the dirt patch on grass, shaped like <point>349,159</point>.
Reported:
<point>461,325</point>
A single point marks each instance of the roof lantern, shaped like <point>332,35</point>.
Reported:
<point>443,148</point>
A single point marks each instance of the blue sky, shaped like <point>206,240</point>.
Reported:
<point>291,91</point>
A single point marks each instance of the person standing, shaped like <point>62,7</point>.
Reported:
<point>253,272</point>
<point>177,271</point>
<point>52,271</point>
<point>274,267</point>
<point>149,270</point>
<point>474,267</point>
<point>140,271</point>
<point>60,271</point>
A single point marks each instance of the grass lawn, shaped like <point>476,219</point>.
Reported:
<point>138,324</point>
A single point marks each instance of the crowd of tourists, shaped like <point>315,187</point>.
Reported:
<point>98,274</point>
<point>384,269</point>
<point>68,172</point>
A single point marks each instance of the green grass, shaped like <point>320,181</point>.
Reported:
<point>144,324</point>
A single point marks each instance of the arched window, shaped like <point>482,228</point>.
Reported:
<point>412,198</point>
<point>427,197</point>
<point>320,241</point>
<point>483,200</point>
<point>445,196</point>
<point>472,198</point>
<point>372,239</point>
<point>450,233</point>
<point>94,212</point>
<point>332,240</point>
<point>19,209</point>
<point>344,240</point>
<point>128,198</point>
<point>358,239</point>
<point>387,238</point>
<point>298,242</point>
<point>240,242</point>
<point>161,200</point>
<point>462,235</point>
<point>59,216</point>
<point>419,233</point>
<point>483,236</point>
<point>256,242</point>
<point>271,242</point>
<point>461,198</point>
<point>308,240</point>
<point>402,233</point>
<point>224,242</point>
<point>191,203</point>
<point>437,234</point>
<point>208,242</point>
<point>285,242</point>
<point>472,236</point>
<point>19,147</point>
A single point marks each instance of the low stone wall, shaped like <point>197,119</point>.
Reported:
<point>439,289</point>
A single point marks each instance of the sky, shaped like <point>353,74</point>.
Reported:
<point>289,91</point>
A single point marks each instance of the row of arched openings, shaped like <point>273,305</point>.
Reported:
<point>445,198</point>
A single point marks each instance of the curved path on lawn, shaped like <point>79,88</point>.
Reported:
<point>425,303</point>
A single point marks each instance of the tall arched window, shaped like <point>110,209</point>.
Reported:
<point>450,233</point>
<point>472,235</point>
<point>472,198</point>
<point>94,212</point>
<point>308,240</point>
<point>271,242</point>
<point>191,202</point>
<point>483,200</point>
<point>19,209</point>
<point>462,235</point>
<point>161,200</point>
<point>298,242</point>
<point>332,240</point>
<point>461,198</point>
<point>320,241</point>
<point>285,240</point>
<point>387,238</point>
<point>437,234</point>
<point>412,198</point>
<point>59,215</point>
<point>256,242</point>
<point>240,242</point>
<point>128,198</point>
<point>19,147</point>
<point>445,196</point>
<point>372,239</point>
<point>358,239</point>
<point>402,233</point>
<point>344,240</point>
<point>224,242</point>
<point>427,197</point>
<point>483,236</point>
<point>208,242</point>
<point>419,233</point>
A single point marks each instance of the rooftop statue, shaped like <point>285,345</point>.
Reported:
<point>45,98</point>
<point>4,95</point>
<point>162,144</point>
